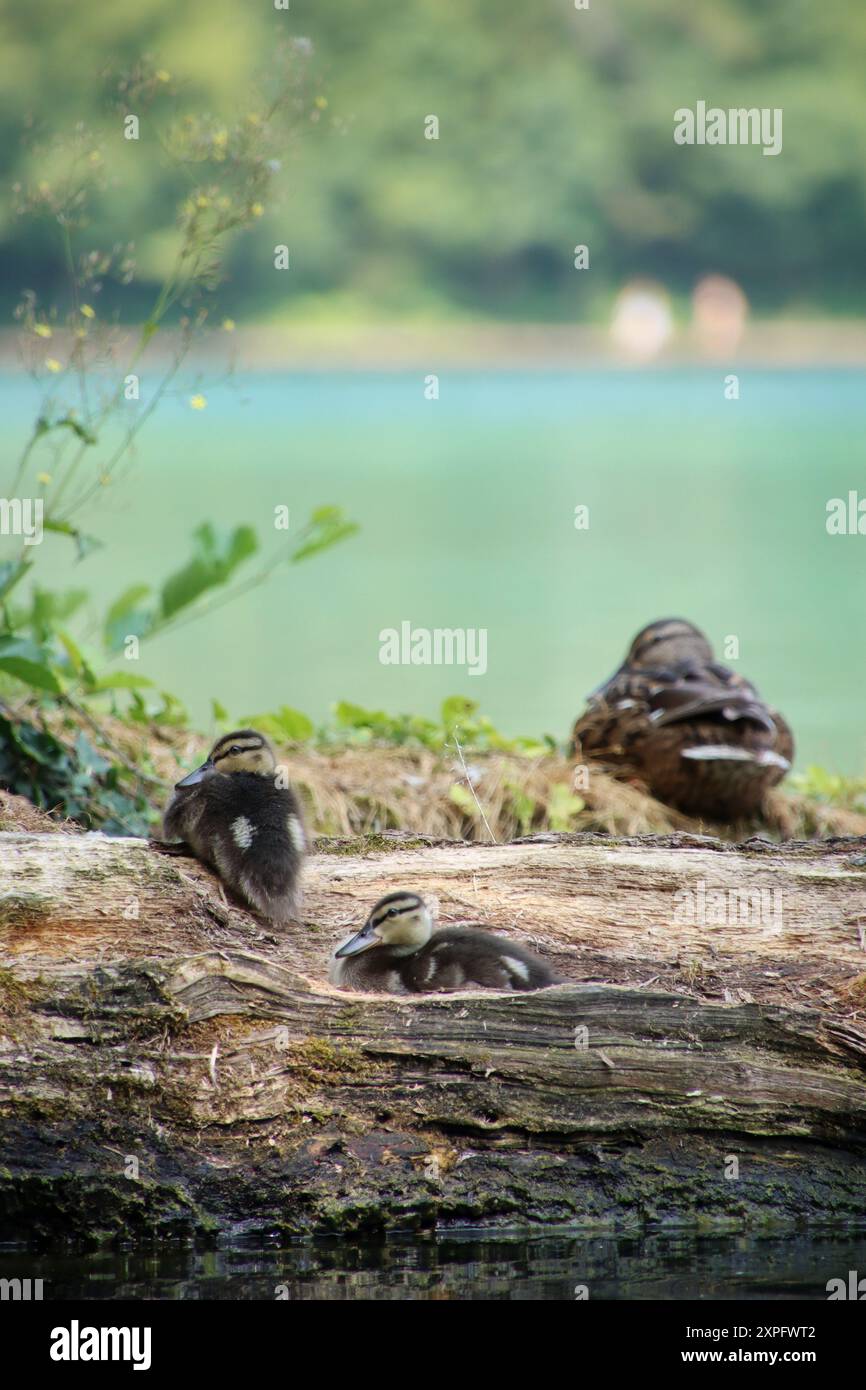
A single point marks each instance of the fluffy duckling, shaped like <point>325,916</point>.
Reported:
<point>397,952</point>
<point>235,815</point>
<point>697,734</point>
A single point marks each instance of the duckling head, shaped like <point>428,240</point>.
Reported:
<point>402,920</point>
<point>245,750</point>
<point>668,641</point>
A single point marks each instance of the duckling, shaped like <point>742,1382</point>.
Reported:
<point>696,733</point>
<point>397,952</point>
<point>235,815</point>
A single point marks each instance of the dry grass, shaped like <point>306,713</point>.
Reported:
<point>362,791</point>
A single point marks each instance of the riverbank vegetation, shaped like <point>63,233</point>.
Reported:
<point>576,146</point>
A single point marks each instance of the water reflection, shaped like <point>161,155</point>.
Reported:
<point>460,1266</point>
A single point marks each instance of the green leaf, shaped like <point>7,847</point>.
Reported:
<point>28,663</point>
<point>326,527</point>
<point>563,806</point>
<point>48,609</point>
<point>90,760</point>
<point>125,619</point>
<point>351,716</point>
<point>76,660</point>
<point>219,712</point>
<point>215,559</point>
<point>120,680</point>
<point>462,798</point>
<point>456,710</point>
<point>285,723</point>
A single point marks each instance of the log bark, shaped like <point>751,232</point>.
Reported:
<point>172,1065</point>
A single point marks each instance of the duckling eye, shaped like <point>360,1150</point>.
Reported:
<point>233,750</point>
<point>392,912</point>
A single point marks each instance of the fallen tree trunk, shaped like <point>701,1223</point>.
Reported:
<point>171,1065</point>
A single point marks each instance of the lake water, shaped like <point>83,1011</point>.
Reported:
<point>698,506</point>
<point>469,1265</point>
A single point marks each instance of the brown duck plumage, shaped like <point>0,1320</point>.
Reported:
<point>235,813</point>
<point>697,734</point>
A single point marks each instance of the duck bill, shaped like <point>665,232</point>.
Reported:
<point>192,779</point>
<point>361,941</point>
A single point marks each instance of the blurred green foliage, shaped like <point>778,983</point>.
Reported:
<point>355,727</point>
<point>555,129</point>
<point>70,778</point>
<point>831,788</point>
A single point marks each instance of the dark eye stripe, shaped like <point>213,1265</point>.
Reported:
<point>392,911</point>
<point>241,747</point>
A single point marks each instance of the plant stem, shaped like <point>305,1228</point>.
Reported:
<point>471,787</point>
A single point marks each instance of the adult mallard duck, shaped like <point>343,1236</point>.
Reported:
<point>697,734</point>
<point>237,815</point>
<point>398,952</point>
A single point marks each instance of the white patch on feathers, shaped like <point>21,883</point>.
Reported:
<point>296,833</point>
<point>242,832</point>
<point>517,967</point>
<point>726,753</point>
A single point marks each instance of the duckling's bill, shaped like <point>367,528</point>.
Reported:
<point>361,941</point>
<point>192,779</point>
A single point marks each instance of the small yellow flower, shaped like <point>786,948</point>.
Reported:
<point>88,311</point>
<point>162,76</point>
<point>229,325</point>
<point>257,209</point>
<point>53,365</point>
<point>42,329</point>
<point>321,102</point>
<point>43,478</point>
<point>198,402</point>
<point>221,137</point>
<point>254,118</point>
<point>202,201</point>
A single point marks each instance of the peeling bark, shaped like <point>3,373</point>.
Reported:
<point>171,1064</point>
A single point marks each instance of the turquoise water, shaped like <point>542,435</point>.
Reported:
<point>700,506</point>
<point>468,1265</point>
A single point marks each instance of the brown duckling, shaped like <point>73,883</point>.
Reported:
<point>397,952</point>
<point>234,814</point>
<point>697,734</point>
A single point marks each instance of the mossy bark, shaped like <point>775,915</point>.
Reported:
<point>171,1065</point>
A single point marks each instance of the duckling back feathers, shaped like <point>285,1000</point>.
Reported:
<point>243,823</point>
<point>454,958</point>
